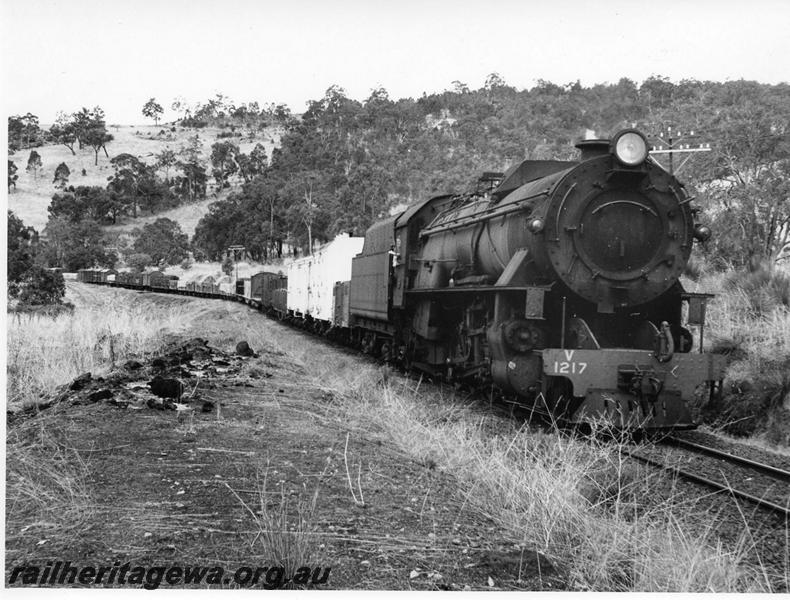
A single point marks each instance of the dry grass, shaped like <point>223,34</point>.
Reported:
<point>46,486</point>
<point>749,320</point>
<point>286,529</point>
<point>747,315</point>
<point>582,505</point>
<point>45,352</point>
<point>186,215</point>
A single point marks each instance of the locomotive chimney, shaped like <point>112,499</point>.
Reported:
<point>592,148</point>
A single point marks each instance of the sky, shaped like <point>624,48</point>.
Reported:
<point>60,55</point>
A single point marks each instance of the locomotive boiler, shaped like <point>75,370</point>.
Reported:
<point>557,281</point>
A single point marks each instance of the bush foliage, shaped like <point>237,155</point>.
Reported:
<point>346,163</point>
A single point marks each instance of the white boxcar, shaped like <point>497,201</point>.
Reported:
<point>311,280</point>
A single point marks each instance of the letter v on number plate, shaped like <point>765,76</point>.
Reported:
<point>568,354</point>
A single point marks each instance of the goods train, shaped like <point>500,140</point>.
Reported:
<point>555,283</point>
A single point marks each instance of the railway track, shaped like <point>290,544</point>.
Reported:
<point>773,497</point>
<point>761,484</point>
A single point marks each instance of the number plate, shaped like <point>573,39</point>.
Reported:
<point>567,366</point>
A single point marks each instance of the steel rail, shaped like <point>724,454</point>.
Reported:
<point>783,511</point>
<point>731,458</point>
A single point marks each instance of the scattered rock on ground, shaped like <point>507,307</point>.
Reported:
<point>80,382</point>
<point>243,349</point>
<point>102,394</point>
<point>177,367</point>
<point>166,388</point>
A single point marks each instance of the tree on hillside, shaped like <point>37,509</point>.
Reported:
<point>96,137</point>
<point>304,192</point>
<point>362,200</point>
<point>33,163</point>
<point>656,92</point>
<point>180,105</point>
<point>246,169</point>
<point>74,246</point>
<point>192,184</point>
<point>138,262</point>
<point>81,120</point>
<point>24,132</point>
<point>42,286</point>
<point>31,282</point>
<point>192,151</point>
<point>134,186</point>
<point>748,191</point>
<point>163,241</point>
<point>219,228</point>
<point>223,161</point>
<point>62,173</point>
<point>12,176</point>
<point>82,203</point>
<point>64,131</point>
<point>91,130</point>
<point>22,242</point>
<point>266,193</point>
<point>16,136</point>
<point>252,165</point>
<point>166,159</point>
<point>493,81</point>
<point>281,113</point>
<point>154,194</point>
<point>125,183</point>
<point>153,110</point>
<point>753,219</point>
<point>254,217</point>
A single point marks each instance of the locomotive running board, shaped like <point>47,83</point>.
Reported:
<point>488,289</point>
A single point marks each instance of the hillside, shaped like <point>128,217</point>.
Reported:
<point>33,193</point>
<point>346,163</point>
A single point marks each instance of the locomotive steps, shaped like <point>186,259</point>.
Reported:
<point>387,482</point>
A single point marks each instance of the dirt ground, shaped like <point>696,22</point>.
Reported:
<point>257,452</point>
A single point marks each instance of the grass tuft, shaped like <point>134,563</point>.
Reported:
<point>46,481</point>
<point>286,530</point>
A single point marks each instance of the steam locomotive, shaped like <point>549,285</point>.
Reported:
<point>559,284</point>
<point>555,283</point>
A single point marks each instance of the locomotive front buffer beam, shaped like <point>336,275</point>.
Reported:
<point>631,388</point>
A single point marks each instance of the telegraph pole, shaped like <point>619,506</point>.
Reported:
<point>235,260</point>
<point>675,144</point>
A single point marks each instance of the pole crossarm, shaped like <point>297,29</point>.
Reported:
<point>679,150</point>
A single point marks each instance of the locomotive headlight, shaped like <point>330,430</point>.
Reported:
<point>630,147</point>
<point>702,233</point>
<point>536,225</point>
